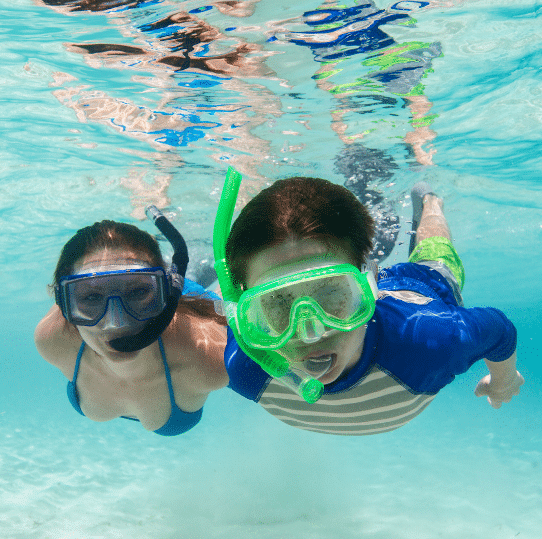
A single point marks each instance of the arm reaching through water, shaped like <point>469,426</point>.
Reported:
<point>502,383</point>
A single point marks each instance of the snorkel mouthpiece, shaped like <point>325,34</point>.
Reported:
<point>318,366</point>
<point>270,361</point>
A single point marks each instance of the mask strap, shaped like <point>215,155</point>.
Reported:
<point>371,266</point>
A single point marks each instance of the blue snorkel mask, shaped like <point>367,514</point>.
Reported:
<point>145,298</point>
<point>269,360</point>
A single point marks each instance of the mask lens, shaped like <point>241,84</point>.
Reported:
<point>275,310</point>
<point>334,299</point>
<point>87,299</point>
<point>142,295</point>
<point>338,296</point>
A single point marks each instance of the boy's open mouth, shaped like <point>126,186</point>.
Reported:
<point>318,366</point>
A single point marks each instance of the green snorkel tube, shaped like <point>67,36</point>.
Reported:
<point>270,361</point>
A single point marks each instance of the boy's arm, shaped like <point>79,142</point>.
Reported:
<point>502,383</point>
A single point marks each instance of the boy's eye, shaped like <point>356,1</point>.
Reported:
<point>277,301</point>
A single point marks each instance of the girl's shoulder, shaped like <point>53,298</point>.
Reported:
<point>57,341</point>
<point>195,344</point>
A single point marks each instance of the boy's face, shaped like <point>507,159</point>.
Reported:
<point>344,347</point>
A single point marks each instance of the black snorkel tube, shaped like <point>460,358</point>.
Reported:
<point>270,361</point>
<point>179,262</point>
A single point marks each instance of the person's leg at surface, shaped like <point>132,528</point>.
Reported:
<point>427,215</point>
<point>431,243</point>
<point>432,222</point>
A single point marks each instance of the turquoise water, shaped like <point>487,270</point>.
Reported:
<point>93,136</point>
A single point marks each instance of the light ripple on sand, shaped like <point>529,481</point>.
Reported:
<point>81,480</point>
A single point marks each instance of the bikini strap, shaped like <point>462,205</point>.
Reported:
<point>78,361</point>
<point>168,374</point>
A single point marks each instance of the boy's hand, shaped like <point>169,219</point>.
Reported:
<point>496,392</point>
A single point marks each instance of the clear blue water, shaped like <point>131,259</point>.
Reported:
<point>93,136</point>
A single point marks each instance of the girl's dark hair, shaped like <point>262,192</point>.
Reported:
<point>303,208</point>
<point>113,235</point>
<point>106,235</point>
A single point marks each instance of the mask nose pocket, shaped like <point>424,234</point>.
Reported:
<point>310,330</point>
<point>115,316</point>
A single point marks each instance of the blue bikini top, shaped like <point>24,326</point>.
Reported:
<point>178,421</point>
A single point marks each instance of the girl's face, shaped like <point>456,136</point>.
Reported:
<point>99,335</point>
<point>344,347</point>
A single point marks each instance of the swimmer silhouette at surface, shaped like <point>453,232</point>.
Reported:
<point>182,40</point>
<point>382,344</point>
<point>387,78</point>
<point>130,344</point>
<point>206,81</point>
<point>389,74</point>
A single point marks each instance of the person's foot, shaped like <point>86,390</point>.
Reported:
<point>417,194</point>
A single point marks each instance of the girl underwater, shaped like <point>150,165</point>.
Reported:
<point>135,339</point>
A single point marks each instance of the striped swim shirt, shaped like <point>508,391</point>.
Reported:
<point>377,404</point>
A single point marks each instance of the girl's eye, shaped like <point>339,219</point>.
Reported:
<point>91,298</point>
<point>138,293</point>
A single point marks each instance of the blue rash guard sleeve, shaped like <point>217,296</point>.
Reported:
<point>491,334</point>
<point>246,377</point>
<point>425,347</point>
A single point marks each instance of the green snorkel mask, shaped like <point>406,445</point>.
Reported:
<point>270,361</point>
